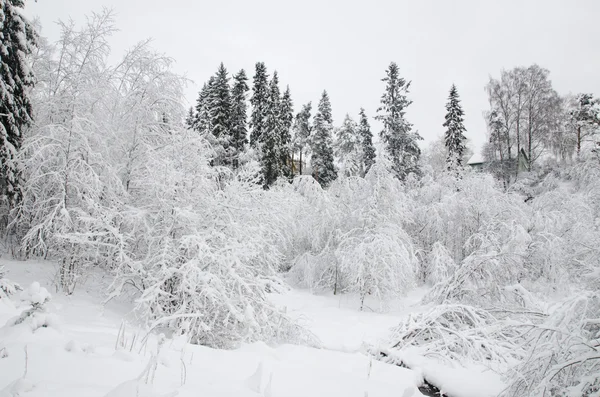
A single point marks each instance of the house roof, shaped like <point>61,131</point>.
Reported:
<point>477,158</point>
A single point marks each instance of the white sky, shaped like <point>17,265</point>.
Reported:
<point>344,46</point>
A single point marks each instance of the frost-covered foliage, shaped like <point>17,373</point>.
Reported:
<point>455,332</point>
<point>35,298</point>
<point>7,287</point>
<point>115,181</point>
<point>357,241</point>
<point>493,258</point>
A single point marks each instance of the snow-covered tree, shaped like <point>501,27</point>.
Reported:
<point>302,132</point>
<point>270,150</point>
<point>219,108</point>
<point>190,118</point>
<point>239,117</point>
<point>17,39</point>
<point>260,104</point>
<point>368,150</point>
<point>584,111</point>
<point>202,120</point>
<point>348,148</point>
<point>321,143</point>
<point>454,137</point>
<point>287,118</point>
<point>398,138</point>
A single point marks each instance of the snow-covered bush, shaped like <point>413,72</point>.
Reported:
<point>35,297</point>
<point>357,243</point>
<point>202,249</point>
<point>7,287</point>
<point>457,333</point>
<point>563,358</point>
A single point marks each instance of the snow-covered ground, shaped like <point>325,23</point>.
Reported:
<point>88,349</point>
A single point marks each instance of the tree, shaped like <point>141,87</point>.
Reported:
<point>239,128</point>
<point>287,118</point>
<point>454,138</point>
<point>190,119</point>
<point>219,108</point>
<point>270,150</point>
<point>17,39</point>
<point>524,106</point>
<point>585,117</point>
<point>202,121</point>
<point>348,148</point>
<point>321,144</point>
<point>302,130</point>
<point>397,135</point>
<point>368,150</point>
<point>260,102</point>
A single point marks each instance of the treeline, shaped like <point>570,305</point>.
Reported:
<point>286,144</point>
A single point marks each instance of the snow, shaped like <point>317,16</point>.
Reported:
<point>95,351</point>
<point>477,158</point>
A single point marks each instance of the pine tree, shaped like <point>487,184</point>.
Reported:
<point>287,118</point>
<point>397,135</point>
<point>454,138</point>
<point>348,147</point>
<point>302,130</point>
<point>260,103</point>
<point>321,146</point>
<point>271,136</point>
<point>239,128</point>
<point>368,150</point>
<point>17,39</point>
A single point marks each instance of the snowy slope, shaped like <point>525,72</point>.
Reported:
<point>93,350</point>
<point>76,356</point>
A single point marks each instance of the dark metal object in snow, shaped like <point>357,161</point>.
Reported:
<point>426,388</point>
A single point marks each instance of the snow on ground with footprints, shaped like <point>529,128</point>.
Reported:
<point>84,347</point>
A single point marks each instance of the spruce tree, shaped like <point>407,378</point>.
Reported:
<point>260,103</point>
<point>287,118</point>
<point>17,39</point>
<point>190,120</point>
<point>239,128</point>
<point>271,136</point>
<point>202,121</point>
<point>321,144</point>
<point>454,137</point>
<point>397,136</point>
<point>219,110</point>
<point>302,131</point>
<point>348,147</point>
<point>368,150</point>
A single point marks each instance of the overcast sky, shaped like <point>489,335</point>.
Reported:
<point>344,46</point>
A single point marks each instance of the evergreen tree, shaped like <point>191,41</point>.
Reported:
<point>239,129</point>
<point>190,120</point>
<point>397,135</point>
<point>368,150</point>
<point>302,131</point>
<point>454,138</point>
<point>260,103</point>
<point>219,110</point>
<point>271,136</point>
<point>287,119</point>
<point>202,121</point>
<point>321,146</point>
<point>17,39</point>
<point>348,147</point>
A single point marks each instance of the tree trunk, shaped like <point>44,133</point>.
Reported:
<point>301,161</point>
<point>578,140</point>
